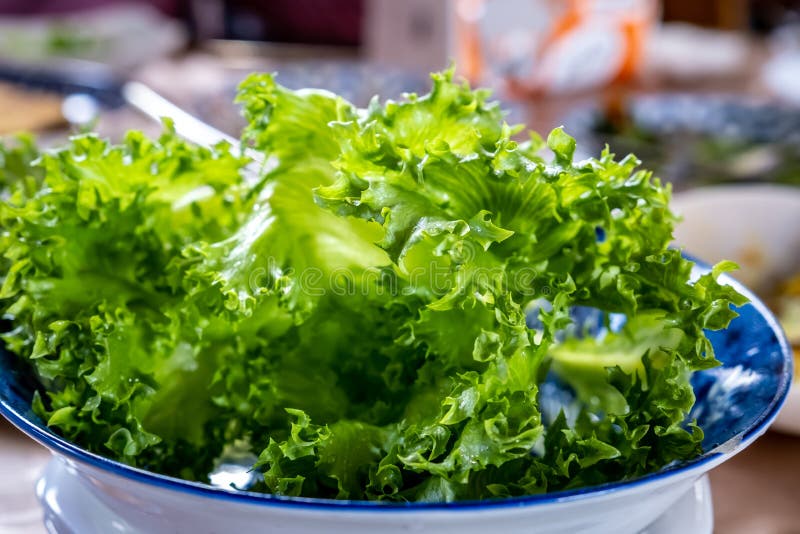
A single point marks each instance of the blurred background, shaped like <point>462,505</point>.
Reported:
<point>701,91</point>
<point>705,92</point>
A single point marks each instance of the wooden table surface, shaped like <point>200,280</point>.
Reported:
<point>754,493</point>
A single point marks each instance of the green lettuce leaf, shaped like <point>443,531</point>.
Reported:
<point>379,306</point>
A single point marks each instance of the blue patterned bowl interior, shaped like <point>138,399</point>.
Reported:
<point>735,404</point>
<point>731,398</point>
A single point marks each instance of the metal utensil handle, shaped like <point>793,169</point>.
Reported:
<point>193,129</point>
<point>187,126</point>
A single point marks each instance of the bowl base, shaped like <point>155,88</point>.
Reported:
<point>70,508</point>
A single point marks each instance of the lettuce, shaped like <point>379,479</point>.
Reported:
<point>380,310</point>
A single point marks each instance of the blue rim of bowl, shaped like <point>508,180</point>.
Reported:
<point>737,443</point>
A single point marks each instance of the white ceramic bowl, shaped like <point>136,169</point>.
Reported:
<point>84,493</point>
<point>80,499</point>
<point>758,227</point>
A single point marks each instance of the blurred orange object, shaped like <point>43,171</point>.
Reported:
<point>553,46</point>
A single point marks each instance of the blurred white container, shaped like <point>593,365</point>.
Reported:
<point>533,46</point>
<point>758,227</point>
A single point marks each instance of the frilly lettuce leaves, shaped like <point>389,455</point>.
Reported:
<point>376,314</point>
